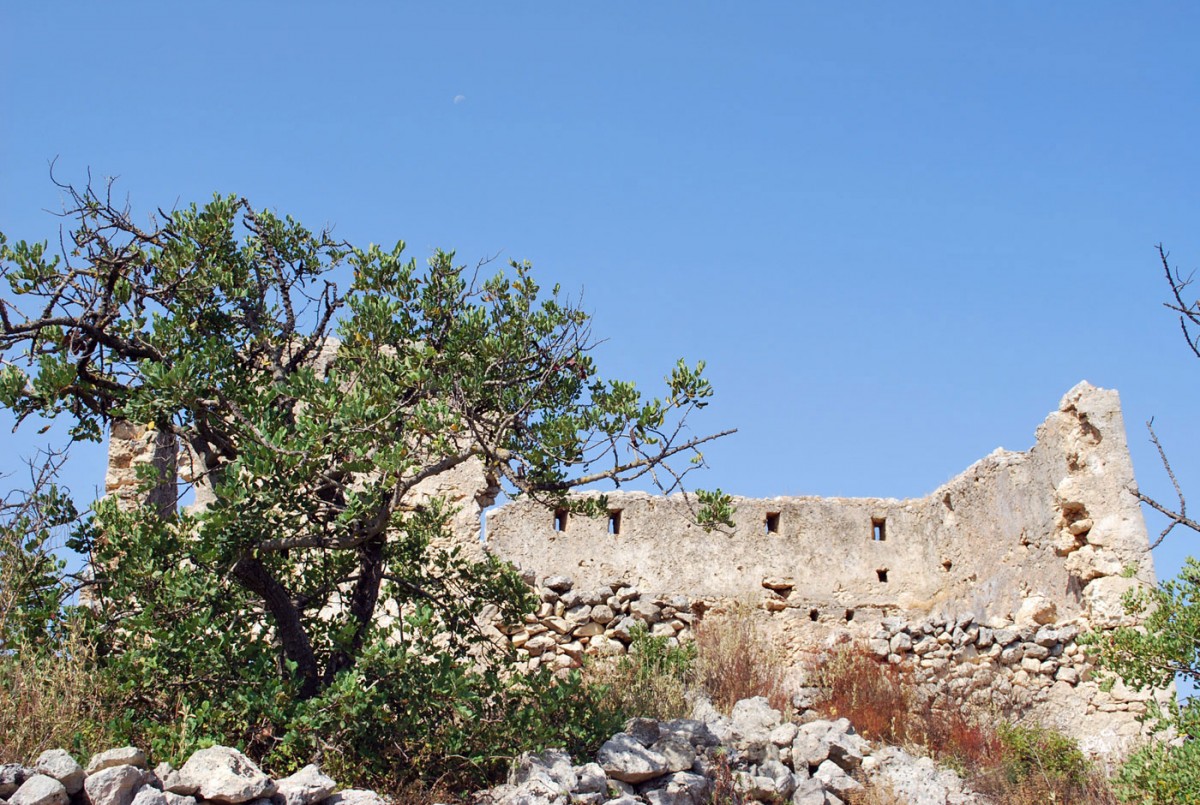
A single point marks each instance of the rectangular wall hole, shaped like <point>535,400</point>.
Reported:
<point>849,615</point>
<point>560,519</point>
<point>773,522</point>
<point>813,615</point>
<point>614,522</point>
<point>878,529</point>
<point>882,574</point>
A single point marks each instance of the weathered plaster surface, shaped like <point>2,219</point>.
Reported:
<point>996,538</point>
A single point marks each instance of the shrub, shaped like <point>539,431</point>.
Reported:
<point>736,660</point>
<point>1015,765</point>
<point>651,680</point>
<point>51,697</point>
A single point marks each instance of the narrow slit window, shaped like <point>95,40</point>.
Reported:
<point>614,522</point>
<point>773,523</point>
<point>878,529</point>
<point>849,615</point>
<point>882,574</point>
<point>560,519</point>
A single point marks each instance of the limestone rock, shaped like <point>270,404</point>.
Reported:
<point>40,789</point>
<point>355,796</point>
<point>694,732</point>
<point>809,792</point>
<point>113,785</point>
<point>755,716</point>
<point>148,795</point>
<point>1037,609</point>
<point>124,756</point>
<point>644,730</point>
<point>59,764</point>
<point>678,754</point>
<point>680,788</point>
<point>836,780</point>
<point>226,775</point>
<point>306,787</point>
<point>12,775</point>
<point>592,779</point>
<point>624,758</point>
<point>551,768</point>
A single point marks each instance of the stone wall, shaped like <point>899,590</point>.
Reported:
<point>981,587</point>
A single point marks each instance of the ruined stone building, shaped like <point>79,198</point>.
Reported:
<point>983,586</point>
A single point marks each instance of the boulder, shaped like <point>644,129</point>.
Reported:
<point>754,717</point>
<point>113,785</point>
<point>306,787</point>
<point>224,774</point>
<point>40,789</point>
<point>148,795</point>
<point>123,756</point>
<point>809,792</point>
<point>355,796</point>
<point>592,779</point>
<point>679,754</point>
<point>12,775</point>
<point>59,764</point>
<point>644,730</point>
<point>624,758</point>
<point>552,768</point>
<point>694,732</point>
<point>680,788</point>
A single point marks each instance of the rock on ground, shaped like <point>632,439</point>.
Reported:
<point>225,775</point>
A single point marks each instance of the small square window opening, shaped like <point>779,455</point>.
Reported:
<point>773,523</point>
<point>878,529</point>
<point>560,519</point>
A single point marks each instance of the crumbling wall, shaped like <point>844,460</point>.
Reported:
<point>1053,532</point>
<point>981,586</point>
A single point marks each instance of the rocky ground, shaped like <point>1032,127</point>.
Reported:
<point>753,755</point>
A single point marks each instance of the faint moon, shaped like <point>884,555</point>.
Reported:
<point>459,98</point>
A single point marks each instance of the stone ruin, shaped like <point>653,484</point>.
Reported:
<point>981,587</point>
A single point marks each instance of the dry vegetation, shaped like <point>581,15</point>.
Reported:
<point>736,660</point>
<point>46,698</point>
<point>1014,765</point>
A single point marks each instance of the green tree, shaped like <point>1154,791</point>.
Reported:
<point>312,413</point>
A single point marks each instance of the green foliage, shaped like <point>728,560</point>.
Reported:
<point>408,712</point>
<point>310,416</point>
<point>32,584</point>
<point>716,509</point>
<point>1034,751</point>
<point>652,679</point>
<point>1165,646</point>
<point>1161,774</point>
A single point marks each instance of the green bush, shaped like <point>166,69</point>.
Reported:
<point>651,680</point>
<point>1035,751</point>
<point>1161,774</point>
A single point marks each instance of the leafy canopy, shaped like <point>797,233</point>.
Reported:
<point>312,418</point>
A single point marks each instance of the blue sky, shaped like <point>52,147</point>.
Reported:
<point>897,233</point>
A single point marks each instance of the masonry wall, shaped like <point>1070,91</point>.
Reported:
<point>982,586</point>
<point>1054,527</point>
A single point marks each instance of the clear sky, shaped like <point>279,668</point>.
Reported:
<point>898,233</point>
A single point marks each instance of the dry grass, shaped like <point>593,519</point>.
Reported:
<point>736,660</point>
<point>1012,765</point>
<point>49,701</point>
